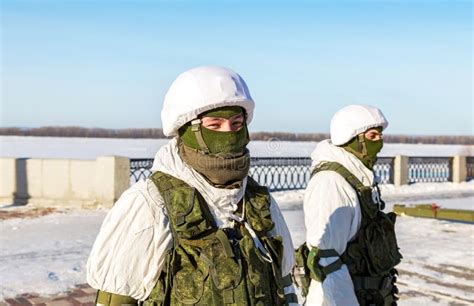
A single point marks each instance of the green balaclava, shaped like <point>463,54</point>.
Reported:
<point>364,149</point>
<point>221,157</point>
<point>227,144</point>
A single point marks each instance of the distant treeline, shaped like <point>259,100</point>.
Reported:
<point>74,131</point>
<point>388,138</point>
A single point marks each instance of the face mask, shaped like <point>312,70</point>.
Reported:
<point>225,144</point>
<point>373,148</point>
<point>221,157</point>
<point>364,149</point>
<point>219,172</point>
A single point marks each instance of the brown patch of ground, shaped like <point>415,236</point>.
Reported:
<point>81,295</point>
<point>465,272</point>
<point>25,212</point>
<point>436,296</point>
<point>453,270</point>
<point>436,281</point>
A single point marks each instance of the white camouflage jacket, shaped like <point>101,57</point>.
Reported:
<point>129,252</point>
<point>332,219</point>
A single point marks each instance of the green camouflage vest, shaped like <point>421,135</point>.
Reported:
<point>373,253</point>
<point>212,266</point>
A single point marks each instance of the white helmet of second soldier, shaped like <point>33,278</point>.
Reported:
<point>354,119</point>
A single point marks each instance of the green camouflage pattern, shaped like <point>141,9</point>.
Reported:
<point>207,266</point>
<point>111,299</point>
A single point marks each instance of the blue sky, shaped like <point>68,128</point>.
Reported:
<point>109,63</point>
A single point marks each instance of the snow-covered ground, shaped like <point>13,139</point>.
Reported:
<point>48,254</point>
<point>453,195</point>
<point>90,148</point>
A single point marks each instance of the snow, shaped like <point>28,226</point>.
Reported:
<point>90,148</point>
<point>448,195</point>
<point>47,255</point>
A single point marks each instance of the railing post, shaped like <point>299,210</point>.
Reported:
<point>459,171</point>
<point>7,180</point>
<point>400,170</point>
<point>112,178</point>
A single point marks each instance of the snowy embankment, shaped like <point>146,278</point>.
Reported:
<point>90,148</point>
<point>48,254</point>
<point>438,263</point>
<point>407,194</point>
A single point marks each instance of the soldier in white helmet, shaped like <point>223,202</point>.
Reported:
<point>350,249</point>
<point>199,231</point>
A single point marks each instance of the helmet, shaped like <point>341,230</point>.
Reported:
<point>201,89</point>
<point>352,120</point>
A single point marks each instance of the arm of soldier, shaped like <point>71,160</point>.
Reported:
<point>288,260</point>
<point>129,252</point>
<point>332,218</point>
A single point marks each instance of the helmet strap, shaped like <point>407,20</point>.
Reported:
<point>362,144</point>
<point>196,128</point>
<point>361,151</point>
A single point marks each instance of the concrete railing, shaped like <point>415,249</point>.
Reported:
<point>288,173</point>
<point>63,182</point>
<point>85,183</point>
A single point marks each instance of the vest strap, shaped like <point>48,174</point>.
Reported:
<point>375,283</point>
<point>328,253</point>
<point>332,267</point>
<point>224,240</point>
<point>287,281</point>
<point>291,298</point>
<point>112,299</point>
<point>191,242</point>
<point>317,271</point>
<point>337,167</point>
<point>228,296</point>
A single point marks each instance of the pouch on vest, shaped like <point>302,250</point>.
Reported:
<point>380,240</point>
<point>301,273</point>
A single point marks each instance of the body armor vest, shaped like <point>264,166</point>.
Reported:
<point>208,265</point>
<point>373,253</point>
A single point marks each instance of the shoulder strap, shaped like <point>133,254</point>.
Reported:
<point>167,185</point>
<point>253,185</point>
<point>166,182</point>
<point>257,209</point>
<point>337,167</point>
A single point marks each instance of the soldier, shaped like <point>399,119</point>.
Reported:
<point>199,231</point>
<point>351,242</point>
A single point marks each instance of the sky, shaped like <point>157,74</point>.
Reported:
<point>109,63</point>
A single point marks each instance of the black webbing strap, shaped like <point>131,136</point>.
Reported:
<point>291,298</point>
<point>287,281</point>
<point>375,283</point>
<point>332,267</point>
<point>328,253</point>
<point>319,272</point>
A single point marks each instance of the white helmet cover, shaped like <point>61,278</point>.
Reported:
<point>352,120</point>
<point>201,89</point>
